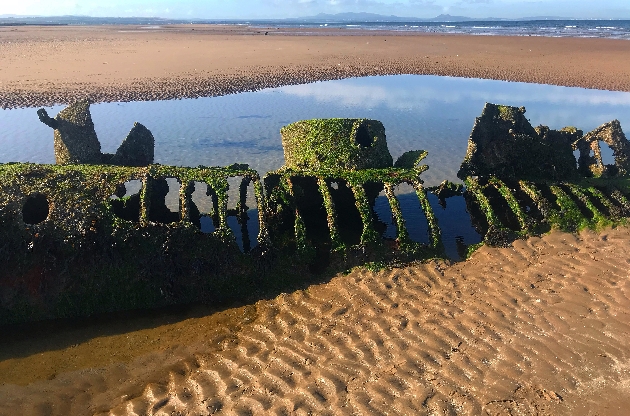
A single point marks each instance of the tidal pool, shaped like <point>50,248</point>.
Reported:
<point>419,112</point>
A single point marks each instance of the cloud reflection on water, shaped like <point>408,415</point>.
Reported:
<point>405,91</point>
<point>419,112</point>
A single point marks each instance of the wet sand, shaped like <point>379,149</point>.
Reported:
<point>48,65</point>
<point>541,328</point>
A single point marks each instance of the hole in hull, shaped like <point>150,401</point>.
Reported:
<point>383,217</point>
<point>415,219</point>
<point>35,209</point>
<point>362,137</point>
<point>126,200</point>
<point>243,220</point>
<point>456,225</point>
<point>164,207</point>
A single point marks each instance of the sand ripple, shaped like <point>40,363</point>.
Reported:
<point>539,328</point>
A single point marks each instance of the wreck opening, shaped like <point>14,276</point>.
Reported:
<point>456,224</point>
<point>383,218</point>
<point>348,221</point>
<point>608,155</point>
<point>171,199</point>
<point>35,209</point>
<point>412,213</point>
<point>165,201</point>
<point>362,137</point>
<point>242,213</point>
<point>310,204</point>
<point>205,199</point>
<point>126,200</point>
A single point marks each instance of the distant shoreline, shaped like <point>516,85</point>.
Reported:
<point>46,65</point>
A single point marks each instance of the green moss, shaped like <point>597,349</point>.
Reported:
<point>570,129</point>
<point>434,228</point>
<point>472,248</point>
<point>512,202</point>
<point>330,214</point>
<point>410,159</point>
<point>507,113</point>
<point>335,144</point>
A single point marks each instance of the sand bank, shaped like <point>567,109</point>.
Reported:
<point>47,65</point>
<point>541,328</point>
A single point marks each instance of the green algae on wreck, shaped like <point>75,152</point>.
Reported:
<point>75,244</point>
<point>522,180</point>
<point>335,143</point>
<point>78,258</point>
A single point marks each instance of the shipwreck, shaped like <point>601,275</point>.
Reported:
<point>93,233</point>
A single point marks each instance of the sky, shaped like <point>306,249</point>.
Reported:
<point>268,9</point>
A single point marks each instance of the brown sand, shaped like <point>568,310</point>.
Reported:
<point>541,328</point>
<point>46,65</point>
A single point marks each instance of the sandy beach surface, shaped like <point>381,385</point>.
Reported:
<point>539,328</point>
<point>47,65</point>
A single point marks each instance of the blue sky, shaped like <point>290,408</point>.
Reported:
<point>250,9</point>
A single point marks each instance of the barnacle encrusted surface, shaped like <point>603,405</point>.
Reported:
<point>503,143</point>
<point>335,143</point>
<point>137,149</point>
<point>75,138</point>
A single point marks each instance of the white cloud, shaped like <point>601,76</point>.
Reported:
<point>296,8</point>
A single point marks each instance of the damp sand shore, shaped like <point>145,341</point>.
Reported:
<point>48,65</point>
<point>539,328</point>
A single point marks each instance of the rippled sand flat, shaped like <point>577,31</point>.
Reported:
<point>538,329</point>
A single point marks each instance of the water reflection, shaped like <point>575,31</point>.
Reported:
<point>419,112</point>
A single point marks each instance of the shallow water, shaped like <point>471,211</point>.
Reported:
<point>419,112</point>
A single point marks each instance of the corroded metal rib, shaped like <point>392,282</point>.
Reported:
<point>402,235</point>
<point>299,226</point>
<point>368,234</point>
<point>145,200</point>
<point>507,194</point>
<point>473,187</point>
<point>331,216</point>
<point>435,234</point>
<point>186,190</point>
<point>263,233</point>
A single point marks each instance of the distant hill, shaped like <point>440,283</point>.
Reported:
<point>372,17</point>
<point>15,20</point>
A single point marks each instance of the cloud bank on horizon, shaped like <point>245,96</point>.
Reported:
<point>270,9</point>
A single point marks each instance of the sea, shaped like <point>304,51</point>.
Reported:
<point>552,27</point>
<point>615,29</point>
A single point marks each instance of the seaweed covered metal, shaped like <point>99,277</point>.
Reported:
<point>522,180</point>
<point>76,240</point>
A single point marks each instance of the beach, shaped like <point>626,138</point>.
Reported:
<point>537,328</point>
<point>46,65</point>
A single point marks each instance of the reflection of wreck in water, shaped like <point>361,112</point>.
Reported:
<point>88,238</point>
